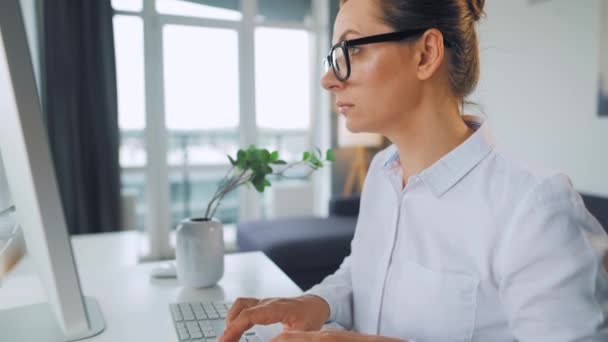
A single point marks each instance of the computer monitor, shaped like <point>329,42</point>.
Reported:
<point>5,195</point>
<point>68,316</point>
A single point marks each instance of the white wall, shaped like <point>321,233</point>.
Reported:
<point>539,85</point>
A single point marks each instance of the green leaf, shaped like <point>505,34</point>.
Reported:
<point>274,156</point>
<point>241,155</point>
<point>320,154</point>
<point>266,182</point>
<point>279,162</point>
<point>258,184</point>
<point>252,154</point>
<point>306,155</point>
<point>265,156</point>
<point>330,156</point>
<point>232,161</point>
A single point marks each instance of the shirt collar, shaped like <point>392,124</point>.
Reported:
<point>451,168</point>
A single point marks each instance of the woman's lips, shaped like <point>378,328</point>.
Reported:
<point>343,107</point>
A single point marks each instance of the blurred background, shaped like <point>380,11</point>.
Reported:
<point>144,99</point>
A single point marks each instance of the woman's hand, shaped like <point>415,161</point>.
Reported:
<point>305,313</point>
<point>329,336</point>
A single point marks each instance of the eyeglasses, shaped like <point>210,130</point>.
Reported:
<point>338,58</point>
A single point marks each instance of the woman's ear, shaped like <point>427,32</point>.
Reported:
<point>431,53</point>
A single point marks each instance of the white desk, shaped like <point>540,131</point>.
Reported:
<point>135,307</point>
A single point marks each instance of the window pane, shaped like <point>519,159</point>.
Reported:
<point>290,143</point>
<point>127,5</point>
<point>278,106</point>
<point>283,113</point>
<point>134,187</point>
<point>215,9</point>
<point>276,10</point>
<point>129,52</point>
<point>201,78</point>
<point>202,116</point>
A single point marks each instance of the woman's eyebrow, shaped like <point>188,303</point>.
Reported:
<point>343,35</point>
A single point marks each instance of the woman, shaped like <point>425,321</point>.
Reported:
<point>455,241</point>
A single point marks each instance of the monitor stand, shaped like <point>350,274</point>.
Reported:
<point>37,323</point>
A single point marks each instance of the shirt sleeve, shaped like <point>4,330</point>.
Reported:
<point>337,290</point>
<point>553,285</point>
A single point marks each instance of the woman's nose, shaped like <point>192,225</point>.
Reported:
<point>329,80</point>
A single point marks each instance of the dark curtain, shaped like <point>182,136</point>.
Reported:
<point>81,111</point>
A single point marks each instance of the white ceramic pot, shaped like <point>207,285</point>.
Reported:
<point>200,252</point>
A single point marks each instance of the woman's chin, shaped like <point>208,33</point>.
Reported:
<point>354,127</point>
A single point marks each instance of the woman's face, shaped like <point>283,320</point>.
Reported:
<point>382,88</point>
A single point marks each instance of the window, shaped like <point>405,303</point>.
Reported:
<point>201,50</point>
<point>128,5</point>
<point>282,83</point>
<point>202,115</point>
<point>129,51</point>
<point>223,9</point>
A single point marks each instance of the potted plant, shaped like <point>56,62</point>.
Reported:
<point>200,243</point>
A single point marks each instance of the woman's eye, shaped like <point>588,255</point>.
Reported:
<point>353,50</point>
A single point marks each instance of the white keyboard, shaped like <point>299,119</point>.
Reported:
<point>203,322</point>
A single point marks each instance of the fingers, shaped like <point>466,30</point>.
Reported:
<point>263,313</point>
<point>239,305</point>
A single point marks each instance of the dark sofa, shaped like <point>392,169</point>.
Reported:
<point>308,249</point>
<point>305,248</point>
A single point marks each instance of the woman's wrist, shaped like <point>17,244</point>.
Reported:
<point>324,309</point>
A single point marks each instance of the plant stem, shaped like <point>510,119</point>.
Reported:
<point>280,173</point>
<point>217,193</point>
<point>234,183</point>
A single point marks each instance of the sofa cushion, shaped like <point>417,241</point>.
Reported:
<point>299,243</point>
<point>344,205</point>
<point>598,207</point>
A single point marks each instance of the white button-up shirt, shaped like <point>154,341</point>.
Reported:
<point>477,247</point>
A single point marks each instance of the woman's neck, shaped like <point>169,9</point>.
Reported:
<point>426,137</point>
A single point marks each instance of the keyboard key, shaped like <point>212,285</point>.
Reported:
<point>203,322</point>
<point>200,315</point>
<point>182,331</point>
<point>177,314</point>
<point>205,325</point>
<point>187,312</point>
<point>194,330</point>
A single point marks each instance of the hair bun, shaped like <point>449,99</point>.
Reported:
<point>476,8</point>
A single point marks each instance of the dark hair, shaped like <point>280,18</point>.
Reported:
<point>456,20</point>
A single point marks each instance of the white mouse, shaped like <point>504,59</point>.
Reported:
<point>167,270</point>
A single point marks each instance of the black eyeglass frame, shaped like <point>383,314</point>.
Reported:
<point>378,38</point>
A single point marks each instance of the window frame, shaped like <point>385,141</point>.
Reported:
<point>157,217</point>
